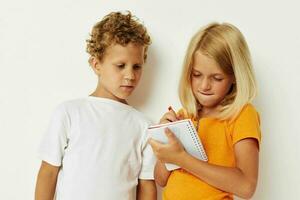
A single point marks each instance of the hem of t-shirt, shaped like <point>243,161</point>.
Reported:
<point>48,159</point>
<point>248,137</point>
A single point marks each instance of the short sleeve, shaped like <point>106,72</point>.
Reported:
<point>247,125</point>
<point>148,159</point>
<point>54,141</point>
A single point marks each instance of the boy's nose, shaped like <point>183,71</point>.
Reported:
<point>129,74</point>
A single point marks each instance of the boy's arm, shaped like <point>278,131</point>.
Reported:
<point>46,182</point>
<point>146,190</point>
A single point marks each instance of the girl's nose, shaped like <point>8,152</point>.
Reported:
<point>205,84</point>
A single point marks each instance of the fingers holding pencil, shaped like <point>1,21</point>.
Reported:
<point>170,116</point>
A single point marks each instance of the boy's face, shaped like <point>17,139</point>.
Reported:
<point>119,71</point>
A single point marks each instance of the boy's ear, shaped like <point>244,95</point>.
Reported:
<point>95,64</point>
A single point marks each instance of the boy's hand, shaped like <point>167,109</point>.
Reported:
<point>172,152</point>
<point>170,116</point>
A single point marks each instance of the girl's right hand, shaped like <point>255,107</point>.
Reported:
<point>161,174</point>
<point>170,116</point>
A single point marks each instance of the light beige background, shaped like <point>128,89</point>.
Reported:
<point>43,62</point>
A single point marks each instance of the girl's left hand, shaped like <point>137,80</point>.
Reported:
<point>171,152</point>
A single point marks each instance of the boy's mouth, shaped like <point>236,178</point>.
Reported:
<point>127,87</point>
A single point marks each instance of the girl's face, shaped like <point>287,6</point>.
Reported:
<point>210,84</point>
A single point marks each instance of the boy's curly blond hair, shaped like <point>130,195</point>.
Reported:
<point>117,28</point>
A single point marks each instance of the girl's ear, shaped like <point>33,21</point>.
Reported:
<point>95,64</point>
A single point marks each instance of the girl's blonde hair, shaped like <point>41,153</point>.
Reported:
<point>225,44</point>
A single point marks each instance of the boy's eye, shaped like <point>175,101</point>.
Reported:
<point>137,66</point>
<point>121,66</point>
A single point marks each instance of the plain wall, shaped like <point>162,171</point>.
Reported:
<point>43,62</point>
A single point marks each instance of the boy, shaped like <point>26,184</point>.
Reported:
<point>96,147</point>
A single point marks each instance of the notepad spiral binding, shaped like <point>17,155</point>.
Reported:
<point>196,141</point>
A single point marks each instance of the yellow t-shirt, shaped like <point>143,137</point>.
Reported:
<point>218,138</point>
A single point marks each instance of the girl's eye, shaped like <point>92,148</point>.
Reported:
<point>218,79</point>
<point>196,75</point>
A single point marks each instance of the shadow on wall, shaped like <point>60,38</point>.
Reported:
<point>145,88</point>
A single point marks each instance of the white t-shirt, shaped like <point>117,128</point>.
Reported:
<point>101,146</point>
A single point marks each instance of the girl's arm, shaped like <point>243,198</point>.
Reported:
<point>161,174</point>
<point>240,180</point>
<point>46,182</point>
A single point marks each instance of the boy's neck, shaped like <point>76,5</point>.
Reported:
<point>97,94</point>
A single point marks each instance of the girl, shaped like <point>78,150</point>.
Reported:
<point>216,88</point>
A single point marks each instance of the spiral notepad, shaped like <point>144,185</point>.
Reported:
<point>185,132</point>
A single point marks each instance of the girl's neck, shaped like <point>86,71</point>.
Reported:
<point>209,112</point>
